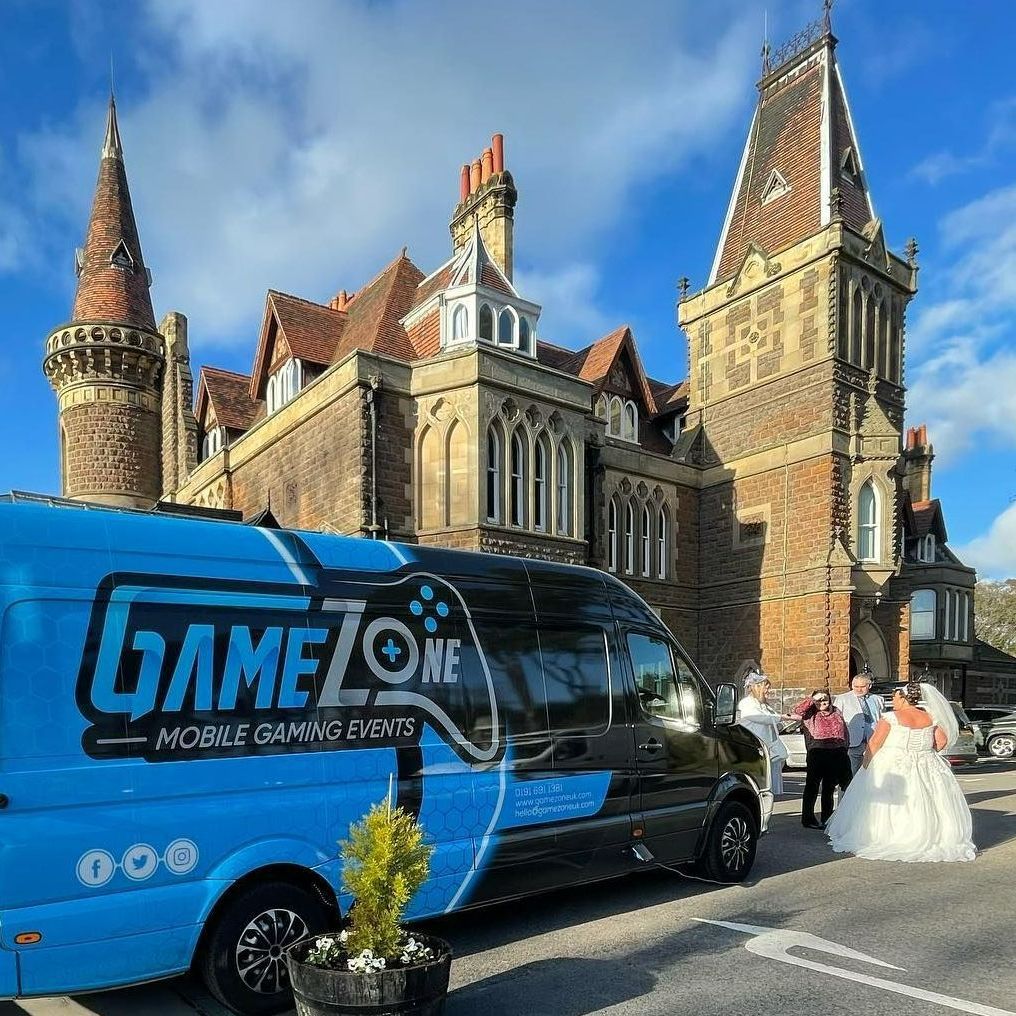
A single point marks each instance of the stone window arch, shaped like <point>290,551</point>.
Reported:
<point>541,482</point>
<point>662,535</point>
<point>614,424</point>
<point>883,340</point>
<point>869,332</point>
<point>631,422</point>
<point>856,316</point>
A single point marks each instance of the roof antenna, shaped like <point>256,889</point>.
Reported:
<point>112,89</point>
<point>766,68</point>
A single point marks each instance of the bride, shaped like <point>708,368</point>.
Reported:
<point>905,804</point>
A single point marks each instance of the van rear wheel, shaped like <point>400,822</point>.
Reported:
<point>243,958</point>
<point>730,844</point>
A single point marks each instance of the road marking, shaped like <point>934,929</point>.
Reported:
<point>773,943</point>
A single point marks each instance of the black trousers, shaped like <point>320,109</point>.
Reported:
<point>828,768</point>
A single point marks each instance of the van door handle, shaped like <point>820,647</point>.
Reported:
<point>651,745</point>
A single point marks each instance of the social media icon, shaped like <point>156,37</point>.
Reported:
<point>181,856</point>
<point>139,862</point>
<point>96,868</point>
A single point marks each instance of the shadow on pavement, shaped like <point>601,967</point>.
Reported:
<point>573,985</point>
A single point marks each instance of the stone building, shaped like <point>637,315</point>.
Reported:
<point>765,506</point>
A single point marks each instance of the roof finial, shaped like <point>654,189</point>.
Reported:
<point>766,68</point>
<point>827,10</point>
<point>683,284</point>
<point>111,147</point>
<point>911,251</point>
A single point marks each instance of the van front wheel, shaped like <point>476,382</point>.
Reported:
<point>730,844</point>
<point>243,957</point>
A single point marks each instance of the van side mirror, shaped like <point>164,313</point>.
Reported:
<point>725,709</point>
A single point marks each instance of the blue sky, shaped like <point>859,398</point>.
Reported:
<point>302,152</point>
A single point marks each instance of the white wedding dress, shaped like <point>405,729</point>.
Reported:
<point>906,806</point>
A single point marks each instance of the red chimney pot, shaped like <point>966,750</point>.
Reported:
<point>487,165</point>
<point>497,147</point>
<point>474,176</point>
<point>464,183</point>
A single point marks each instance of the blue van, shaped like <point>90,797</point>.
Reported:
<point>192,713</point>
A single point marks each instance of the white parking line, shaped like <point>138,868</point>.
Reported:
<point>773,943</point>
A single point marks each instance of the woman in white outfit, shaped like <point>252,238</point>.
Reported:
<point>755,714</point>
<point>905,804</point>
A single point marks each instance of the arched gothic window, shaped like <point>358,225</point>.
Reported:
<point>524,335</point>
<point>493,475</point>
<point>518,479</point>
<point>612,536</point>
<point>564,482</point>
<point>869,332</point>
<point>614,426</point>
<point>856,321</point>
<point>460,323</point>
<point>645,539</point>
<point>505,328</point>
<point>540,467</point>
<point>486,323</point>
<point>629,539</point>
<point>883,342</point>
<point>661,543</point>
<point>867,524</point>
<point>631,422</point>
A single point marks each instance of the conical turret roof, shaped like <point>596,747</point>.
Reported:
<point>112,278</point>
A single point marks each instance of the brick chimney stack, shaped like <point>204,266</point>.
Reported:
<point>918,455</point>
<point>487,196</point>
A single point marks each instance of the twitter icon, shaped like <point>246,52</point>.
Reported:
<point>139,862</point>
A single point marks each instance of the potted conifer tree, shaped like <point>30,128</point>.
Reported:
<point>375,966</point>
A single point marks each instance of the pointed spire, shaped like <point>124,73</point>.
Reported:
<point>112,148</point>
<point>802,137</point>
<point>112,278</point>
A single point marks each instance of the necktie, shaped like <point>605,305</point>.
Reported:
<point>868,719</point>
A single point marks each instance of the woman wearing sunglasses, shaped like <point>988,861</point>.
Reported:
<point>826,739</point>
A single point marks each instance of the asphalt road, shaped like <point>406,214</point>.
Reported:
<point>641,945</point>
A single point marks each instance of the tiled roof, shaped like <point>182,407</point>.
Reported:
<point>791,136</point>
<point>669,398</point>
<point>558,358</point>
<point>491,278</point>
<point>926,514</point>
<point>312,331</point>
<point>438,281</point>
<point>375,313</point>
<point>108,292</point>
<point>228,394</point>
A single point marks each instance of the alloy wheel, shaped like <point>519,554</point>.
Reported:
<point>261,950</point>
<point>735,843</point>
<point>1002,747</point>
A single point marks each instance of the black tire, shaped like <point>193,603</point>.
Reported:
<point>1002,746</point>
<point>259,923</point>
<point>730,846</point>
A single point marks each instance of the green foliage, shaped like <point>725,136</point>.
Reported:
<point>995,614</point>
<point>385,861</point>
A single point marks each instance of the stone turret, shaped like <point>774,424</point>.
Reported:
<point>106,364</point>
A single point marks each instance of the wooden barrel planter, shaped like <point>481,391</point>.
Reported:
<point>401,991</point>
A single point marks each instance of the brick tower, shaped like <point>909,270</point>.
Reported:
<point>106,364</point>
<point>796,396</point>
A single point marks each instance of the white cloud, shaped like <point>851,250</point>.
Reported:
<point>1001,136</point>
<point>302,151</point>
<point>963,373</point>
<point>994,553</point>
<point>568,296</point>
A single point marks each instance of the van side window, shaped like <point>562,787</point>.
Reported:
<point>576,677</point>
<point>663,689</point>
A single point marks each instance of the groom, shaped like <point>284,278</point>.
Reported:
<point>861,711</point>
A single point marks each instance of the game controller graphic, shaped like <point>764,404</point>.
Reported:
<point>176,669</point>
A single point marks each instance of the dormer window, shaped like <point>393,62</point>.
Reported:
<point>213,443</point>
<point>776,186</point>
<point>926,549</point>
<point>848,165</point>
<point>284,384</point>
<point>623,421</point>
<point>121,257</point>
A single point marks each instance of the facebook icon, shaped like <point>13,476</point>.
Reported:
<point>96,868</point>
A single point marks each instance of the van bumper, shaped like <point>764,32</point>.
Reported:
<point>765,807</point>
<point>8,974</point>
